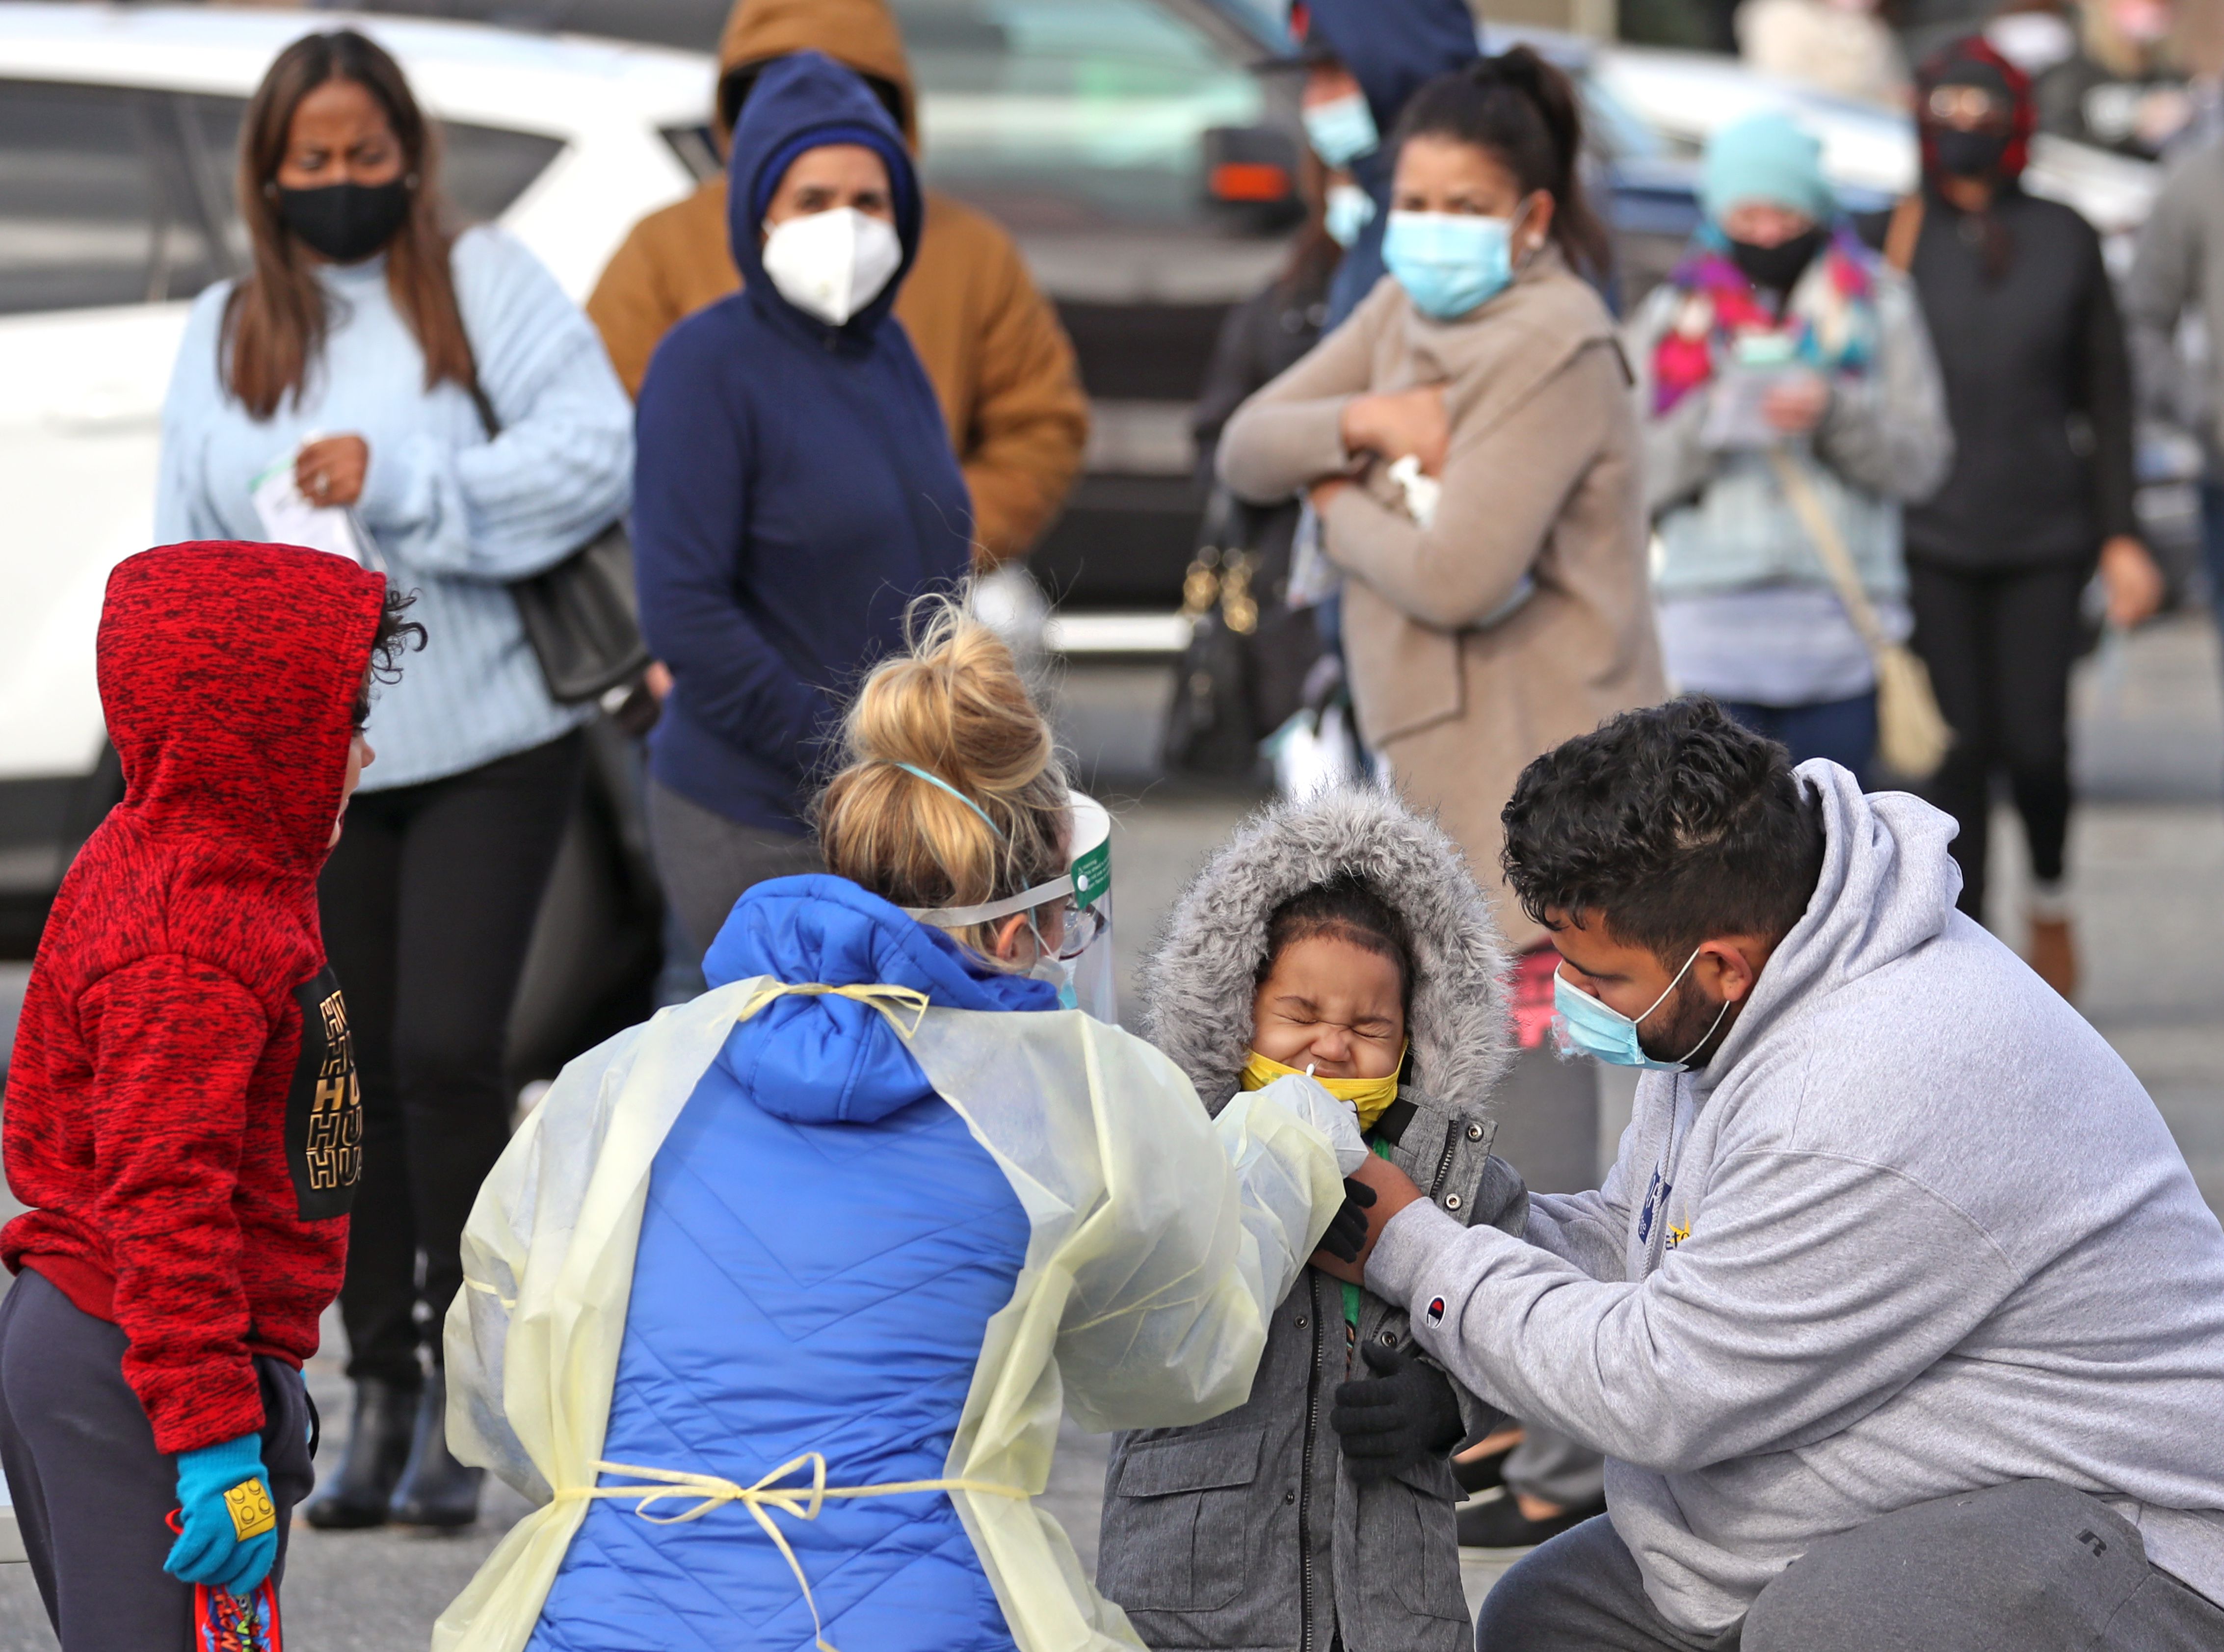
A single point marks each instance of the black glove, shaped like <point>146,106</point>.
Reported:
<point>1405,1414</point>
<point>1347,1229</point>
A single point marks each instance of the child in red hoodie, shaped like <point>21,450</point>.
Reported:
<point>182,1117</point>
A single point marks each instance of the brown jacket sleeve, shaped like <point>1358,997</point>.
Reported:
<point>632,308</point>
<point>1030,418</point>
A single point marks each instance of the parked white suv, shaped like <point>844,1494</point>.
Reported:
<point>118,130</point>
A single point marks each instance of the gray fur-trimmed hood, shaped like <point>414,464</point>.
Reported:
<point>1198,982</point>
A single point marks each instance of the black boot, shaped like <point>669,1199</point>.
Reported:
<point>357,1493</point>
<point>436,1490</point>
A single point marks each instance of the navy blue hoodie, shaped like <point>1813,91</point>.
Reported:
<point>794,487</point>
<point>1392,47</point>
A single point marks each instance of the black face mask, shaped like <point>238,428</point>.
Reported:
<point>346,222</point>
<point>1968,154</point>
<point>1778,268</point>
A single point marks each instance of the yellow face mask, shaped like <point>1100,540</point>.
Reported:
<point>1371,1096</point>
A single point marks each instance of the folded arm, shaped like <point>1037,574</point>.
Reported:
<point>559,467</point>
<point>1290,433</point>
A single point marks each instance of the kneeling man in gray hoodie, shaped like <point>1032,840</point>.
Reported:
<point>1899,1319</point>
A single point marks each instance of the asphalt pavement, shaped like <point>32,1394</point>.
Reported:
<point>2148,850</point>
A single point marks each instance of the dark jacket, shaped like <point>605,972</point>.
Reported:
<point>1244,1534</point>
<point>1392,47</point>
<point>183,1118</point>
<point>2037,388</point>
<point>794,487</point>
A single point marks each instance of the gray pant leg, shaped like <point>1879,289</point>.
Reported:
<point>1549,1465</point>
<point>2028,1566</point>
<point>707,863</point>
<point>1580,1593</point>
<point>91,1493</point>
<point>1547,1112</point>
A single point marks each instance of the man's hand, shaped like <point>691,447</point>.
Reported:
<point>330,471</point>
<point>1393,1190</point>
<point>1405,1414</point>
<point>2133,582</point>
<point>1397,422</point>
<point>1797,405</point>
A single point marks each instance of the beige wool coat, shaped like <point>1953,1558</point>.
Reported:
<point>1542,484</point>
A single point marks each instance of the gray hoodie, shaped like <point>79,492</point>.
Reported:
<point>1915,1230</point>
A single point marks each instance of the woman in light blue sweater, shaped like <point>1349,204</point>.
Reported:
<point>361,347</point>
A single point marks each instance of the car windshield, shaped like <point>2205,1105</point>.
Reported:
<point>1055,113</point>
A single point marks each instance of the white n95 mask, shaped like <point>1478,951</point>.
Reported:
<point>831,264</point>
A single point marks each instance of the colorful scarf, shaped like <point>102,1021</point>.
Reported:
<point>1830,319</point>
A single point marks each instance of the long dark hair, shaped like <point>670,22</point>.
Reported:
<point>274,324</point>
<point>1523,112</point>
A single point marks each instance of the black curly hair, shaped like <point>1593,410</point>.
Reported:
<point>1671,823</point>
<point>396,633</point>
<point>1347,908</point>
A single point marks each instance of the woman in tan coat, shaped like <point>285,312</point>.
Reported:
<point>1468,441</point>
<point>1509,611</point>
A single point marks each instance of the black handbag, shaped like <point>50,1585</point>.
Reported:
<point>581,616</point>
<point>1244,670</point>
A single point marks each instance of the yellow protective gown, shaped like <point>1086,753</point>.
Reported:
<point>1159,1240</point>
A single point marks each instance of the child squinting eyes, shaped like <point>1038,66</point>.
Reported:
<point>1331,1004</point>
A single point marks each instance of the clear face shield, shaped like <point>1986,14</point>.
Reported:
<point>1080,965</point>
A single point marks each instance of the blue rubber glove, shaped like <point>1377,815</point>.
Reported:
<point>231,1536</point>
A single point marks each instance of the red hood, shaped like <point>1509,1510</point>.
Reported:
<point>1974,60</point>
<point>229,673</point>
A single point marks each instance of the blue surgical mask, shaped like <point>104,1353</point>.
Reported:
<point>1588,1026</point>
<point>1448,262</point>
<point>1341,129</point>
<point>1349,209</point>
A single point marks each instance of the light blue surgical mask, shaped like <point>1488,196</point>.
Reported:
<point>1448,262</point>
<point>1588,1026</point>
<point>1348,210</point>
<point>1341,129</point>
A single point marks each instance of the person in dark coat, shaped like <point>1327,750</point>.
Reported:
<point>2038,390</point>
<point>1381,52</point>
<point>794,489</point>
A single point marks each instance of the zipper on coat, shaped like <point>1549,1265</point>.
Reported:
<point>1444,1163</point>
<point>1305,1476</point>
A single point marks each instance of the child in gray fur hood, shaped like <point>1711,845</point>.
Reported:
<point>1254,1530</point>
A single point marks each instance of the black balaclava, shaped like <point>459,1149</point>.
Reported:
<point>1778,268</point>
<point>346,222</point>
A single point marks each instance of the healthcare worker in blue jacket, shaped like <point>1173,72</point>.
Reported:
<point>1363,59</point>
<point>794,487</point>
<point>806,1270</point>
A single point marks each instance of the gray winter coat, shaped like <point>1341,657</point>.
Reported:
<point>1245,1532</point>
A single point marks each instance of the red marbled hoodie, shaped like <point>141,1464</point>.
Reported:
<point>182,1115</point>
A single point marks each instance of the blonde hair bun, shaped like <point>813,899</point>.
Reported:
<point>952,705</point>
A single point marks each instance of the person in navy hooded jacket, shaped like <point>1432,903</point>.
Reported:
<point>794,487</point>
<point>1363,59</point>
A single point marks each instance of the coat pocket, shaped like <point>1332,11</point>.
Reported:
<point>1409,1533</point>
<point>1178,1521</point>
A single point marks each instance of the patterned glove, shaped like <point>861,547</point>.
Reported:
<point>228,1526</point>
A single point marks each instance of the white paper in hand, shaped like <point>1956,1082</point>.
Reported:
<point>1306,1097</point>
<point>290,518</point>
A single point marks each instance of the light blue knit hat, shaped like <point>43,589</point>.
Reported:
<point>1766,158</point>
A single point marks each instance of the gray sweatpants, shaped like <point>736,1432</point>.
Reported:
<point>91,1493</point>
<point>2029,1567</point>
<point>707,863</point>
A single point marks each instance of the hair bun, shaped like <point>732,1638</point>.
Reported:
<point>952,705</point>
